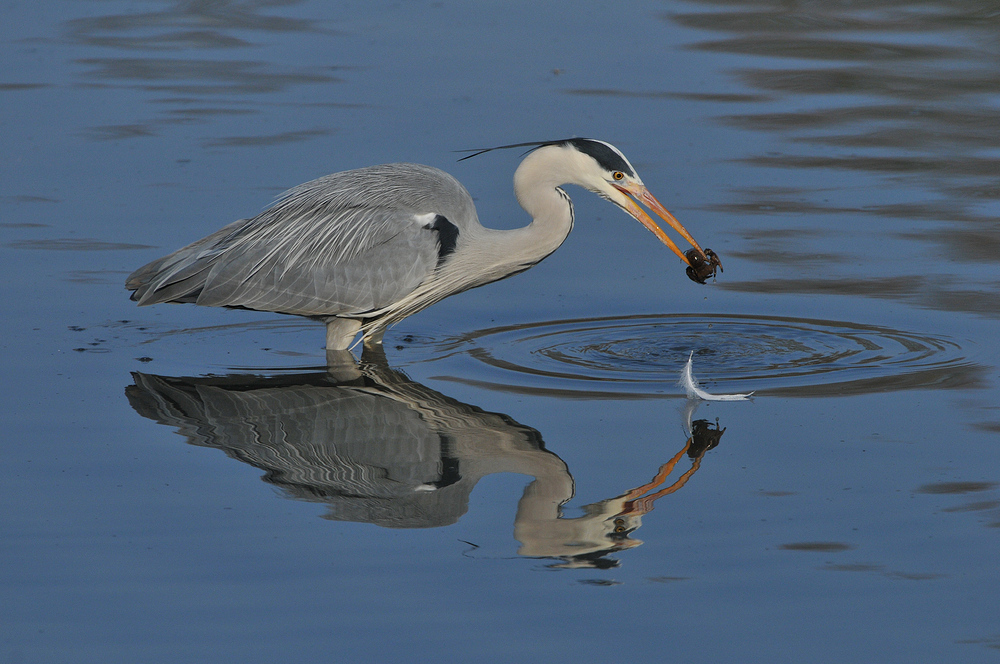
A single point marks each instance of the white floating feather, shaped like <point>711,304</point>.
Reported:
<point>690,384</point>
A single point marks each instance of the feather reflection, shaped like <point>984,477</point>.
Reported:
<point>376,447</point>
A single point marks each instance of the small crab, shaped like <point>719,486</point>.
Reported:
<point>702,266</point>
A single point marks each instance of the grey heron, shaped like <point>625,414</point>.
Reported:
<point>365,248</point>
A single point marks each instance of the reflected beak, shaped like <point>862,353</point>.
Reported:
<point>642,195</point>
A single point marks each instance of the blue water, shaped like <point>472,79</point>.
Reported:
<point>188,484</point>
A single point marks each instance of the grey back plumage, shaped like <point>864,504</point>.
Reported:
<point>346,244</point>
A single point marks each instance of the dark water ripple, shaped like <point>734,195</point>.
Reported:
<point>643,355</point>
<point>152,52</point>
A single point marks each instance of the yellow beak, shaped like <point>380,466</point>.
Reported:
<point>641,194</point>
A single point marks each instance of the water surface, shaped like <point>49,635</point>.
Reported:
<point>520,477</point>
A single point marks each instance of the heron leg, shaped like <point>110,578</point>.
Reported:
<point>340,333</point>
<point>374,337</point>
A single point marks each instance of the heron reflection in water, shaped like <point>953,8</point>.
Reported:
<point>377,447</point>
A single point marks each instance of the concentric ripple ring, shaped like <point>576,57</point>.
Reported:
<point>641,356</point>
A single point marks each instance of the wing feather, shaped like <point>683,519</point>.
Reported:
<point>344,244</point>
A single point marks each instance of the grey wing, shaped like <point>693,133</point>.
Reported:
<point>179,276</point>
<point>346,244</point>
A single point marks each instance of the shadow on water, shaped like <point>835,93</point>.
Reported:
<point>376,447</point>
<point>900,96</point>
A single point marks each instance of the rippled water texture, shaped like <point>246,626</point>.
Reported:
<point>904,97</point>
<point>187,484</point>
<point>643,355</point>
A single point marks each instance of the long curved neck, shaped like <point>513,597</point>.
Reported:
<point>501,253</point>
<point>537,187</point>
<point>551,213</point>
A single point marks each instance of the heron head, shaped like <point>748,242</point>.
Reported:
<point>601,168</point>
<point>604,170</point>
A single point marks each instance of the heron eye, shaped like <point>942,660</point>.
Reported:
<point>618,175</point>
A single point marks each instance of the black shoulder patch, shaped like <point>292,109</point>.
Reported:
<point>447,233</point>
<point>602,154</point>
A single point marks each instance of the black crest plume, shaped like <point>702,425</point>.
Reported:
<point>604,155</point>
